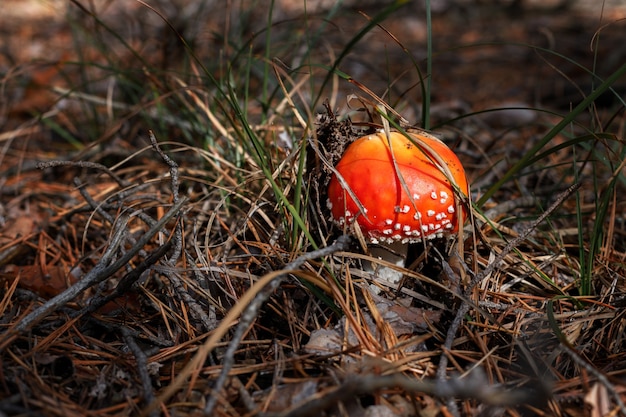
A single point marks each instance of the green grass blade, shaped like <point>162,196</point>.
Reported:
<point>356,39</point>
<point>523,162</point>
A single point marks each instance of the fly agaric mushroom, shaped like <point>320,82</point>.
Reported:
<point>404,193</point>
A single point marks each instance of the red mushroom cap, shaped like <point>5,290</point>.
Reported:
<point>390,214</point>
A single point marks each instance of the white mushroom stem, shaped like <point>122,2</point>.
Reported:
<point>395,253</point>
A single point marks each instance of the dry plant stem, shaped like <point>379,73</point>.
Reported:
<point>174,186</point>
<point>85,164</point>
<point>475,386</point>
<point>252,310</point>
<point>198,312</point>
<point>92,203</point>
<point>194,365</point>
<point>142,368</point>
<point>173,165</point>
<point>465,306</point>
<point>103,269</point>
<point>127,281</point>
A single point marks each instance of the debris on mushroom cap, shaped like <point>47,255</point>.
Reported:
<point>388,212</point>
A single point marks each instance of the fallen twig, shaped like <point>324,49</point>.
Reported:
<point>475,386</point>
<point>252,311</point>
<point>247,308</point>
<point>465,306</point>
<point>103,269</point>
<point>127,281</point>
<point>142,367</point>
<point>85,164</point>
<point>197,311</point>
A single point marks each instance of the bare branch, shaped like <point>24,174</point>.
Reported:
<point>103,269</point>
<point>465,306</point>
<point>475,386</point>
<point>252,310</point>
<point>85,164</point>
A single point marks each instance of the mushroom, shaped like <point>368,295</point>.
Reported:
<point>398,192</point>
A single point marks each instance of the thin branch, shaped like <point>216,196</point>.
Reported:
<point>252,310</point>
<point>465,306</point>
<point>85,164</point>
<point>142,368</point>
<point>475,386</point>
<point>103,269</point>
<point>194,365</point>
<point>524,235</point>
<point>170,162</point>
<point>196,309</point>
<point>127,281</point>
<point>98,207</point>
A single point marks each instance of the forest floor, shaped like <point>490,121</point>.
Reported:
<point>162,250</point>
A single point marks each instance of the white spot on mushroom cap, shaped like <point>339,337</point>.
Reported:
<point>404,231</point>
<point>408,234</point>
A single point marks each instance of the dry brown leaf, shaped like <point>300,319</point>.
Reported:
<point>598,400</point>
<point>45,284</point>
